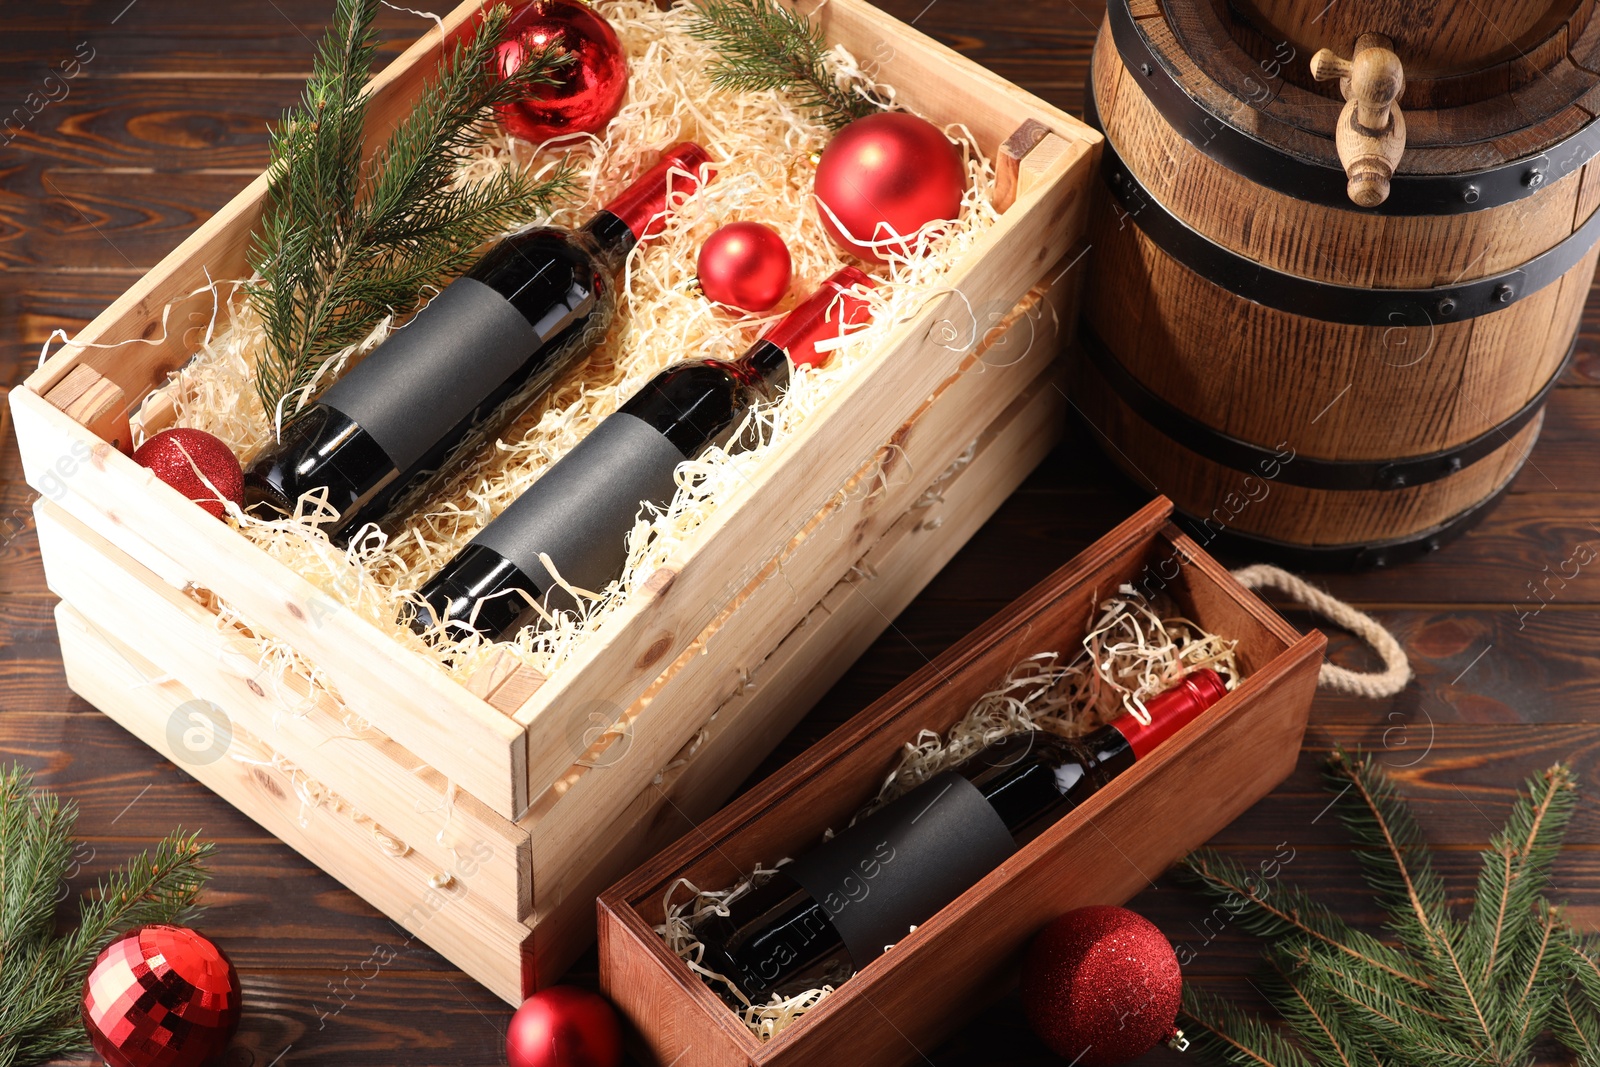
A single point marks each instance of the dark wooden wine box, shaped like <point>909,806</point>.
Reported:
<point>897,1009</point>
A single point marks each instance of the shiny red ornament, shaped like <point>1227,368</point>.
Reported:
<point>161,996</point>
<point>179,458</point>
<point>883,178</point>
<point>745,265</point>
<point>1101,985</point>
<point>589,90</point>
<point>564,1026</point>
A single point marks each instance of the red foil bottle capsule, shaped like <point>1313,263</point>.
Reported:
<point>1171,710</point>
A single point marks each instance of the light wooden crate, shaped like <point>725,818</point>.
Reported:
<point>543,777</point>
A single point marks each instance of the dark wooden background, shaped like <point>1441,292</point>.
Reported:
<point>169,120</point>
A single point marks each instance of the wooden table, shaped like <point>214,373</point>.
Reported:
<point>169,119</point>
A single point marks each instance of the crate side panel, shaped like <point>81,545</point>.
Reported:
<point>486,947</point>
<point>408,799</point>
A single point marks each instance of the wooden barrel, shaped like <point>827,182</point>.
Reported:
<point>1336,385</point>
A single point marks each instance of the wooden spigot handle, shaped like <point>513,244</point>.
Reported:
<point>1371,136</point>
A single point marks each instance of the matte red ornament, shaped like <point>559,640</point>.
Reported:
<point>589,90</point>
<point>1101,985</point>
<point>745,265</point>
<point>179,457</point>
<point>564,1026</point>
<point>883,178</point>
<point>161,996</point>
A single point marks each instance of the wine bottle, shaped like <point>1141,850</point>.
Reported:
<point>579,512</point>
<point>528,310</point>
<point>839,906</point>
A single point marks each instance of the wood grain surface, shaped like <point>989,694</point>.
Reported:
<point>168,119</point>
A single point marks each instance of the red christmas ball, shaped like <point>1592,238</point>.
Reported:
<point>588,91</point>
<point>883,178</point>
<point>161,996</point>
<point>180,458</point>
<point>564,1026</point>
<point>1101,985</point>
<point>745,265</point>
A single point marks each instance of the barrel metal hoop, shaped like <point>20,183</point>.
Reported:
<point>1321,183</point>
<point>1309,472</point>
<point>1346,557</point>
<point>1352,305</point>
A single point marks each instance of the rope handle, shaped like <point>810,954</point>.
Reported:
<point>1396,668</point>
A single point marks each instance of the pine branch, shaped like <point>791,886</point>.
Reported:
<point>345,245</point>
<point>1479,993</point>
<point>1287,910</point>
<point>1221,1033</point>
<point>1516,867</point>
<point>764,45</point>
<point>1321,1027</point>
<point>41,976</point>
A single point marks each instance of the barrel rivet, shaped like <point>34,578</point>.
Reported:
<point>1146,69</point>
<point>1534,178</point>
<point>1454,464</point>
<point>1447,306</point>
<point>1433,544</point>
<point>1504,293</point>
<point>1470,194</point>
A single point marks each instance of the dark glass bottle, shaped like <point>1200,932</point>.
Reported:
<point>838,907</point>
<point>537,301</point>
<point>579,512</point>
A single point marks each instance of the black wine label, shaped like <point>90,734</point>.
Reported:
<point>896,868</point>
<point>580,511</point>
<point>428,376</point>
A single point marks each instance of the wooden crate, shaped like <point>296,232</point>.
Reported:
<point>1104,852</point>
<point>538,779</point>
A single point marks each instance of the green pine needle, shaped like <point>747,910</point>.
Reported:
<point>764,45</point>
<point>1479,992</point>
<point>347,242</point>
<point>42,975</point>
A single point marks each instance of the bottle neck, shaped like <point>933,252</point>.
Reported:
<point>768,362</point>
<point>1171,710</point>
<point>611,236</point>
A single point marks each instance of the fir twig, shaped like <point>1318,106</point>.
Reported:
<point>764,45</point>
<point>346,244</point>
<point>1475,993</point>
<point>41,975</point>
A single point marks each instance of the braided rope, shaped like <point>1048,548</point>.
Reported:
<point>1397,669</point>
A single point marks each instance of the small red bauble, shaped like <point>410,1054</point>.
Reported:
<point>589,90</point>
<point>745,265</point>
<point>161,996</point>
<point>564,1026</point>
<point>179,458</point>
<point>885,177</point>
<point>1101,985</point>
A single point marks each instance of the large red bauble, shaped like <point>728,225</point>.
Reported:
<point>883,178</point>
<point>1101,985</point>
<point>745,265</point>
<point>161,996</point>
<point>590,89</point>
<point>179,457</point>
<point>564,1026</point>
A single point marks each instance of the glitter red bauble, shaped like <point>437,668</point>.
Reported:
<point>1101,985</point>
<point>745,265</point>
<point>564,1026</point>
<point>589,90</point>
<point>161,996</point>
<point>180,457</point>
<point>883,178</point>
